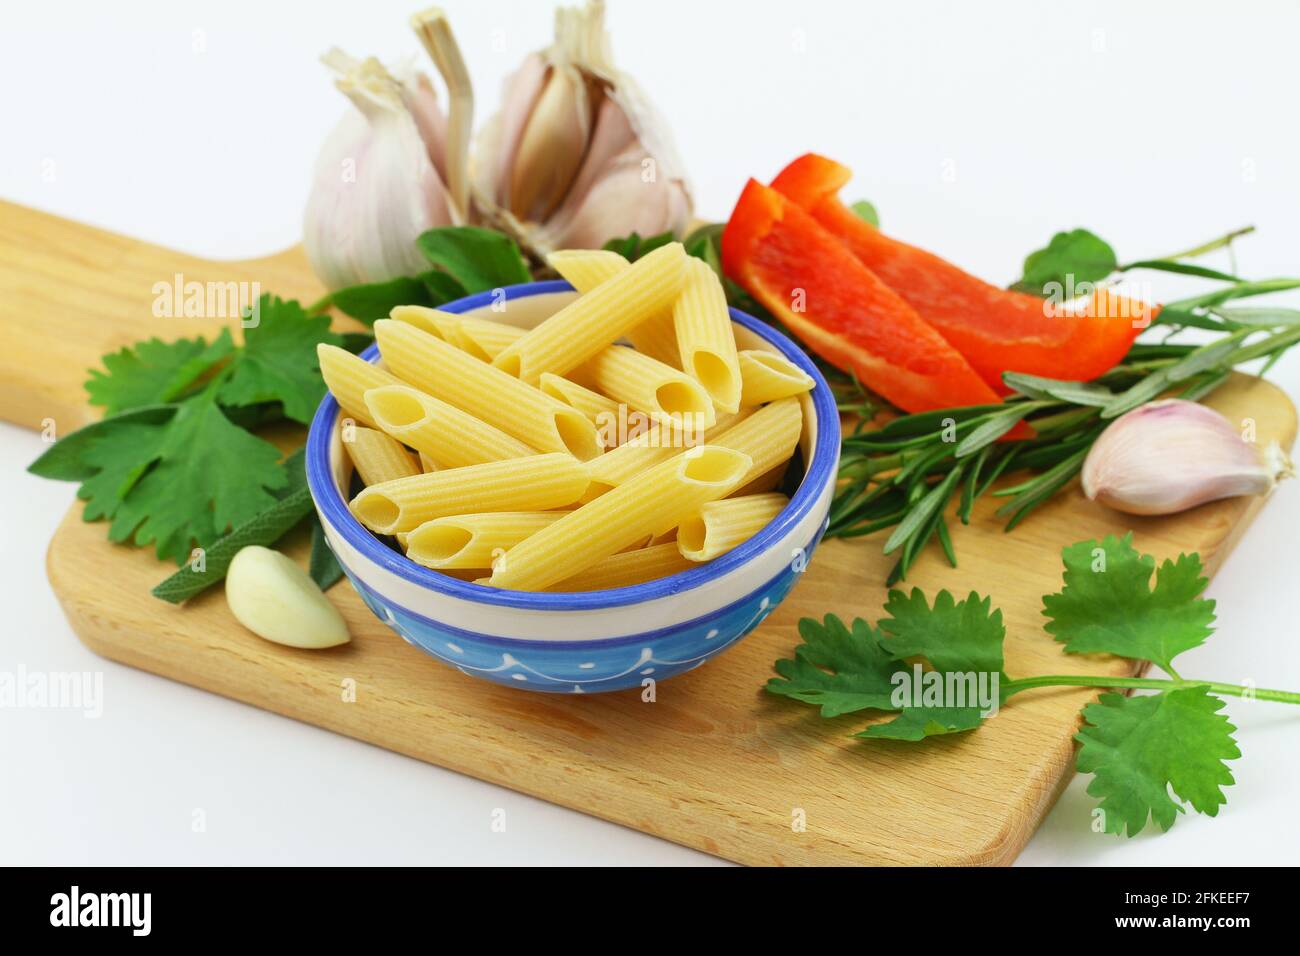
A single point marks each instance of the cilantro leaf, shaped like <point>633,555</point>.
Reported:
<point>278,361</point>
<point>917,723</point>
<point>117,459</point>
<point>843,671</point>
<point>477,258</point>
<point>293,503</point>
<point>961,636</point>
<point>840,670</point>
<point>1068,260</point>
<point>1137,748</point>
<point>153,372</point>
<point>1113,610</point>
<point>66,459</point>
<point>182,482</point>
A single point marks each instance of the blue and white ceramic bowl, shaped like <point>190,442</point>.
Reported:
<point>583,642</point>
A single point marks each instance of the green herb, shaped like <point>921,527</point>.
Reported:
<point>479,259</point>
<point>1069,259</point>
<point>368,303</point>
<point>634,246</point>
<point>278,361</point>
<point>181,467</point>
<point>154,372</point>
<point>265,528</point>
<point>866,212</point>
<point>323,566</point>
<point>897,476</point>
<point>1138,749</point>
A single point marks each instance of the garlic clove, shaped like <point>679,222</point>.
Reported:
<point>499,140</point>
<point>1171,455</point>
<point>276,599</point>
<point>570,125</point>
<point>375,187</point>
<point>551,147</point>
<point>624,196</point>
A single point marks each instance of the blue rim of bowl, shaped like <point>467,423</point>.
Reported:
<point>816,475</point>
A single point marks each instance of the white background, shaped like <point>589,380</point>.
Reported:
<point>977,129</point>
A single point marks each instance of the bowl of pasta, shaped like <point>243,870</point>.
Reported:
<point>579,485</point>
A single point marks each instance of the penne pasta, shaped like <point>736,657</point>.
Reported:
<point>666,493</point>
<point>450,437</point>
<point>472,541</point>
<point>584,269</point>
<point>768,481</point>
<point>487,393</point>
<point>488,338</point>
<point>628,567</point>
<point>349,378</point>
<point>766,377</point>
<point>558,458</point>
<point>601,409</point>
<point>598,318</point>
<point>537,483</point>
<point>718,526</point>
<point>768,436</point>
<point>648,386</point>
<point>378,458</point>
<point>705,339</point>
<point>444,325</point>
<point>650,448</point>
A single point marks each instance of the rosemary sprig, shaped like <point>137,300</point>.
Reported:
<point>905,474</point>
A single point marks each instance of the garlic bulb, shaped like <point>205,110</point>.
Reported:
<point>577,155</point>
<point>393,168</point>
<point>1171,455</point>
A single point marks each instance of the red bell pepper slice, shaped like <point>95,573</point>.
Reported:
<point>839,308</point>
<point>995,329</point>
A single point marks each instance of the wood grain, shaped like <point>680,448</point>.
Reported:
<point>712,762</point>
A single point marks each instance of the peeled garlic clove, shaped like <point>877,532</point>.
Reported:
<point>375,188</point>
<point>275,599</point>
<point>1171,455</point>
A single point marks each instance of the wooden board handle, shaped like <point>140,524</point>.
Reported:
<point>70,293</point>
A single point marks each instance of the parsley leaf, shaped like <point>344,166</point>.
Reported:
<point>66,459</point>
<point>840,670</point>
<point>917,723</point>
<point>1069,259</point>
<point>181,482</point>
<point>845,670</point>
<point>953,636</point>
<point>1107,605</point>
<point>278,361</point>
<point>1137,748</point>
<point>153,372</point>
<point>293,503</point>
<point>116,460</point>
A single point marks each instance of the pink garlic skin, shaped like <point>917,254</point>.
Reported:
<point>1171,455</point>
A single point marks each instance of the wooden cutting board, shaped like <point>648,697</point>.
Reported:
<point>712,762</point>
